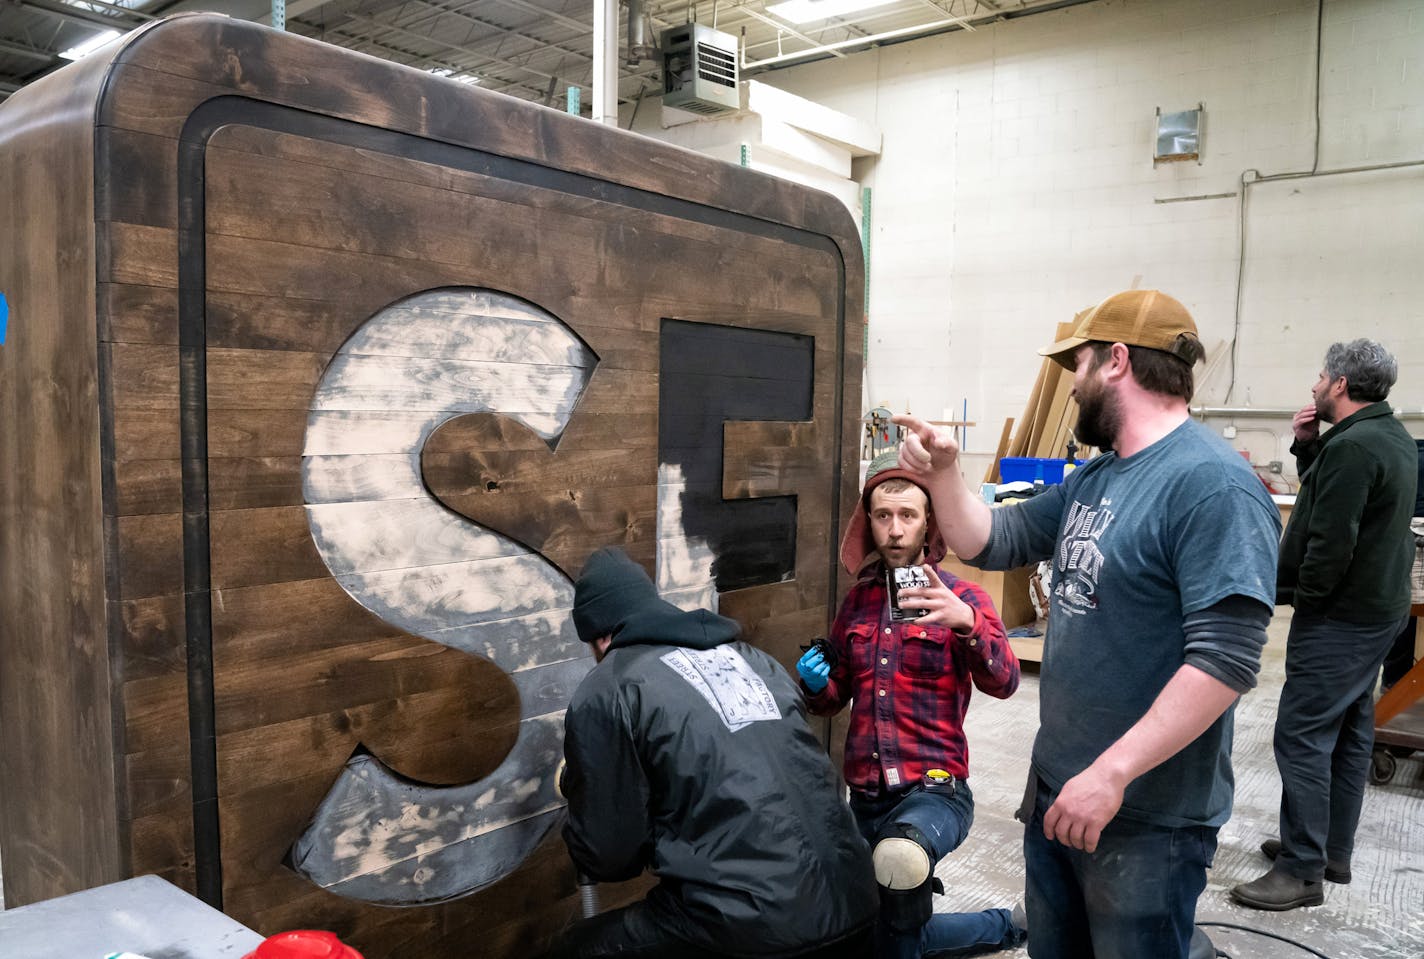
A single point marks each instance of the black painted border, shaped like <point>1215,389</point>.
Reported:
<point>198,129</point>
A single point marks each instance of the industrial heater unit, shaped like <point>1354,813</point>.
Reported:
<point>700,70</point>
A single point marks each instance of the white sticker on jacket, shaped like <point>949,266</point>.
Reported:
<point>730,686</point>
<point>892,777</point>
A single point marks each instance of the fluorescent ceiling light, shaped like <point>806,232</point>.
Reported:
<point>807,11</point>
<point>97,8</point>
<point>82,50</point>
<point>450,74</point>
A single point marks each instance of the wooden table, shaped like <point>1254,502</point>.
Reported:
<point>1009,591</point>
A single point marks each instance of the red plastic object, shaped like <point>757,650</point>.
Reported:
<point>304,944</point>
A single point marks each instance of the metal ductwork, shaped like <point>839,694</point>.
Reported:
<point>638,46</point>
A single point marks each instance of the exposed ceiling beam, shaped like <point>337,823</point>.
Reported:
<point>457,48</point>
<point>105,6</point>
<point>835,48</point>
<point>295,9</point>
<point>409,58</point>
<point>474,46</point>
<point>580,26</point>
<point>548,14</point>
<point>785,28</point>
<point>949,12</point>
<point>85,17</point>
<point>19,50</point>
<point>583,53</point>
<point>464,50</point>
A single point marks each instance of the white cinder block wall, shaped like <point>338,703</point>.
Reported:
<point>1016,187</point>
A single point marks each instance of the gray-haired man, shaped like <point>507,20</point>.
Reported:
<point>1344,566</point>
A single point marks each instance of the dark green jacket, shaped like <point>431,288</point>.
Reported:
<point>1347,550</point>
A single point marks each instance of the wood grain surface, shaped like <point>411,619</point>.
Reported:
<point>375,362</point>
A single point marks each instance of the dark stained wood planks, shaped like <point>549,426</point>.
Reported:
<point>239,408</point>
<point>58,815</point>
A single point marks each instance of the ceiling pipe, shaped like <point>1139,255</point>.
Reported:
<point>908,33</point>
<point>782,28</point>
<point>1267,413</point>
<point>122,22</point>
<point>15,49</point>
<point>834,49</point>
<point>639,48</point>
<point>604,106</point>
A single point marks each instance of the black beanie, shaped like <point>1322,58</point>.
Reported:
<point>610,589</point>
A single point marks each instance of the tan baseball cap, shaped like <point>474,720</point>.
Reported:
<point>1148,318</point>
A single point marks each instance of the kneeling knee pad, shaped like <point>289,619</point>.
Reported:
<point>904,870</point>
<point>901,863</point>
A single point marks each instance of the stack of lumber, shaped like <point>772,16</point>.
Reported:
<point>1047,421</point>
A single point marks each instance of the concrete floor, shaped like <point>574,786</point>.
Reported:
<point>1380,915</point>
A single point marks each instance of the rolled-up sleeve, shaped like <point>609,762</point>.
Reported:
<point>1225,640</point>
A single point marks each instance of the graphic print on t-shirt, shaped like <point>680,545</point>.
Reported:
<point>739,696</point>
<point>1080,557</point>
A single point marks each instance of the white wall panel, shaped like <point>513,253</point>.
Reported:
<point>1016,187</point>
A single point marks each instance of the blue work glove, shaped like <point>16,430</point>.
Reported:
<point>815,672</point>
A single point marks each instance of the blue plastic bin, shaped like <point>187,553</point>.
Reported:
<point>1027,469</point>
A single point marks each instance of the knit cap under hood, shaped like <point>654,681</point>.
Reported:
<point>614,597</point>
<point>858,543</point>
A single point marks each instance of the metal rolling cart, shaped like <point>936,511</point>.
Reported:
<point>1399,715</point>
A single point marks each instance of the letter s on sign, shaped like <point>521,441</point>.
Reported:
<point>378,836</point>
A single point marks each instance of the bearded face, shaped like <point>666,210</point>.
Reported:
<point>1099,410</point>
<point>1324,401</point>
<point>899,523</point>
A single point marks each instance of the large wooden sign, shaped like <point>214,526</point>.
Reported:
<point>323,376</point>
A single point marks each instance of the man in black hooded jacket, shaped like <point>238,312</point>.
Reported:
<point>688,753</point>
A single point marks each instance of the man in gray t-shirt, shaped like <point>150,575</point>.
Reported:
<point>1163,554</point>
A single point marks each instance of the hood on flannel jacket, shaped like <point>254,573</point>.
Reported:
<point>858,544</point>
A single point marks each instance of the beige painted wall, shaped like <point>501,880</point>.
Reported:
<point>1016,186</point>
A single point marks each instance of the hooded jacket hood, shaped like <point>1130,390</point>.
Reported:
<point>614,597</point>
<point>858,544</point>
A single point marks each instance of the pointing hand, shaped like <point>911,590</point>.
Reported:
<point>927,449</point>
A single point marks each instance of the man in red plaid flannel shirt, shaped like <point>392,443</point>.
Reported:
<point>908,681</point>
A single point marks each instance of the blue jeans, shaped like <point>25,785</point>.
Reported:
<point>1325,732</point>
<point>1136,896</point>
<point>944,819</point>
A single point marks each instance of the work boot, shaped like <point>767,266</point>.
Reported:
<point>1278,891</point>
<point>1018,918</point>
<point>1201,946</point>
<point>1334,871</point>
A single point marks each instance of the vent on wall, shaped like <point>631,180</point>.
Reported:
<point>700,70</point>
<point>1178,136</point>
